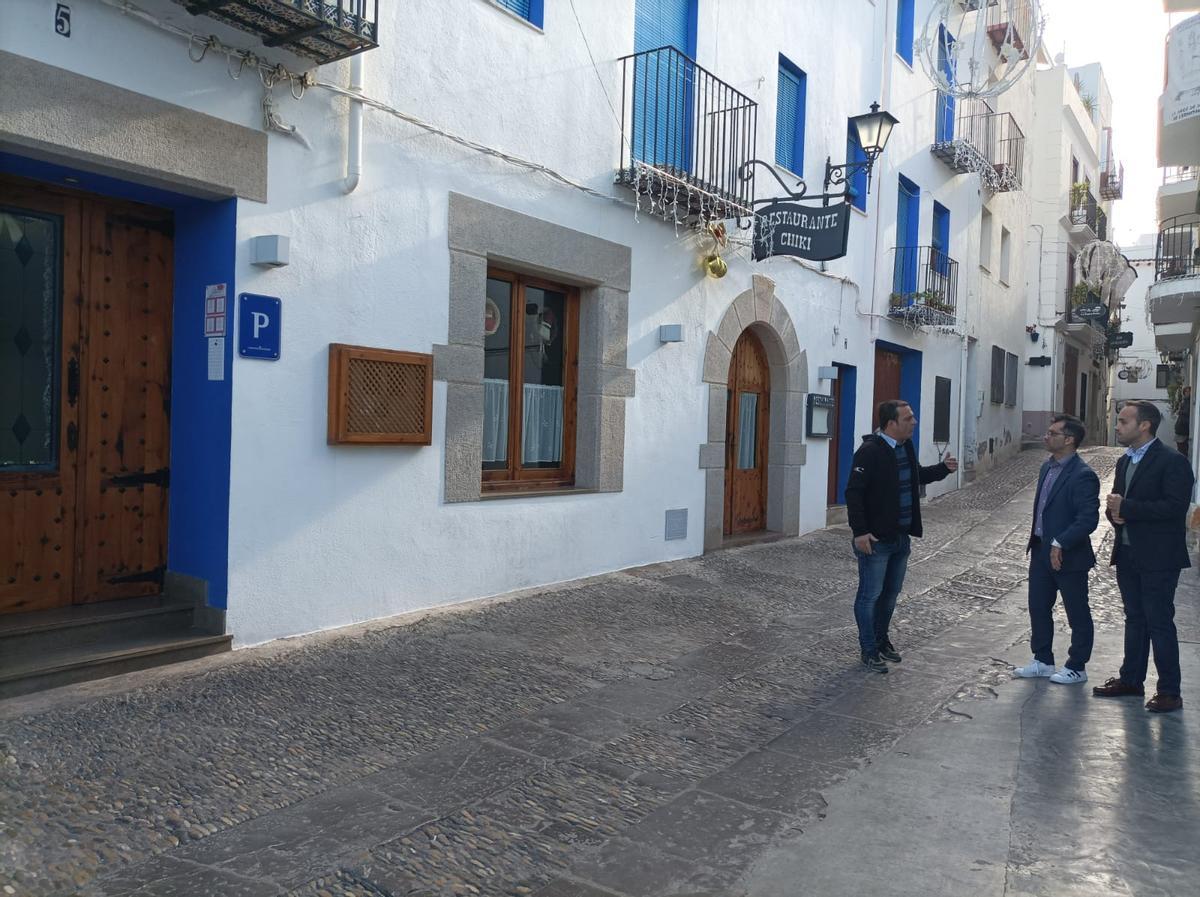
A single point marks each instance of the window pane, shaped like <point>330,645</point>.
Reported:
<point>544,376</point>
<point>30,261</point>
<point>747,439</point>
<point>497,330</point>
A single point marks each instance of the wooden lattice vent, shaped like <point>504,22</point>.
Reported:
<point>379,396</point>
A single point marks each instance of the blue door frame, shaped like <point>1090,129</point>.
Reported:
<point>847,441</point>
<point>910,381</point>
<point>940,239</point>
<point>945,102</point>
<point>201,409</point>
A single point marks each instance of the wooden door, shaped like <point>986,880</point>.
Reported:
<point>1071,381</point>
<point>887,381</point>
<point>88,510</point>
<point>747,429</point>
<point>835,440</point>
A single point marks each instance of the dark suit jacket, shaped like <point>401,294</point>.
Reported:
<point>1072,512</point>
<point>1155,510</point>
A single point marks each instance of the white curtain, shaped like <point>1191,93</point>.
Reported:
<point>495,420</point>
<point>541,424</point>
<point>747,430</point>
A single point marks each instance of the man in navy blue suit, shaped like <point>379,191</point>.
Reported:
<point>1066,511</point>
<point>1148,506</point>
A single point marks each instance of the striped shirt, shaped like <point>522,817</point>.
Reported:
<point>906,481</point>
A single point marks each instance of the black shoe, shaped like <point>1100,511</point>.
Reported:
<point>874,663</point>
<point>889,653</point>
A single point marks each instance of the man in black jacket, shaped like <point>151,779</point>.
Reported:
<point>1148,506</point>
<point>884,509</point>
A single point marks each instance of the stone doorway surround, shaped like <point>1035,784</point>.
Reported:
<point>759,310</point>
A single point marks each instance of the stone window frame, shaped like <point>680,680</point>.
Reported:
<point>757,309</point>
<point>479,234</point>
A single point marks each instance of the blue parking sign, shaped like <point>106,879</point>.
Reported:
<point>260,326</point>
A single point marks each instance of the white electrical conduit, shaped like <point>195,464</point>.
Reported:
<point>354,163</point>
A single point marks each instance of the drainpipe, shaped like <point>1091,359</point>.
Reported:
<point>355,135</point>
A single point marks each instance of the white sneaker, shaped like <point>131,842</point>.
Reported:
<point>1035,669</point>
<point>1069,677</point>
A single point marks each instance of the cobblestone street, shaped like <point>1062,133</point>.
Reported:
<point>700,727</point>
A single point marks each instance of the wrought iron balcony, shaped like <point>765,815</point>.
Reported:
<point>320,30</point>
<point>1085,212</point>
<point>924,286</point>
<point>970,136</point>
<point>1112,180</point>
<point>684,135</point>
<point>1018,14</point>
<point>1179,174</point>
<point>1178,252</point>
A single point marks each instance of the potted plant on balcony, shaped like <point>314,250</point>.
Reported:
<point>1079,192</point>
<point>1079,294</point>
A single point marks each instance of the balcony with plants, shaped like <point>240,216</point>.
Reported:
<point>924,287</point>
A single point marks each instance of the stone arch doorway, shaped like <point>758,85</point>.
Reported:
<point>759,312</point>
<point>747,437</point>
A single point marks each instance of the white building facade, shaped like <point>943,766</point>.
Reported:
<point>466,213</point>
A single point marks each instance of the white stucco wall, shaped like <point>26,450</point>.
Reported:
<point>323,536</point>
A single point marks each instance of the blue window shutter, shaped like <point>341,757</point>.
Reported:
<point>789,118</point>
<point>904,30</point>
<point>665,23</point>
<point>858,179</point>
<point>520,7</point>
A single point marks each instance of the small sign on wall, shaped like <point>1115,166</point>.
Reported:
<point>260,326</point>
<point>62,20</point>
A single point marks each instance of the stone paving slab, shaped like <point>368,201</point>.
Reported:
<point>664,731</point>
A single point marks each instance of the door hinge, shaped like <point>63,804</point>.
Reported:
<point>160,477</point>
<point>156,575</point>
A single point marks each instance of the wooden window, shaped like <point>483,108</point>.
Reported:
<point>379,396</point>
<point>1010,379</point>
<point>530,372</point>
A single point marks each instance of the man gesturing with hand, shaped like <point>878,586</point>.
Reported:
<point>884,510</point>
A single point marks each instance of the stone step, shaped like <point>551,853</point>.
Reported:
<point>42,634</point>
<point>82,663</point>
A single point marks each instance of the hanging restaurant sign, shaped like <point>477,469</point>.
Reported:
<point>816,233</point>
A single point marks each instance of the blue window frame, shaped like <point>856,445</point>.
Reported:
<point>789,117</point>
<point>904,29</point>
<point>908,219</point>
<point>529,10</point>
<point>857,182</point>
<point>941,239</point>
<point>945,102</point>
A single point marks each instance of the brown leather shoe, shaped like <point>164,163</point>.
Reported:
<point>1115,688</point>
<point>1161,703</point>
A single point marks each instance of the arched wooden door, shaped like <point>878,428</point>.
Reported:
<point>747,425</point>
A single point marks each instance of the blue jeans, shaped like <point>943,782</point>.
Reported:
<point>880,578</point>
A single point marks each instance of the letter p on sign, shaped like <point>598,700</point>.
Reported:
<point>260,326</point>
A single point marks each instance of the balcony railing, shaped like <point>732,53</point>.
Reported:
<point>1015,20</point>
<point>1178,174</point>
<point>970,136</point>
<point>1178,253</point>
<point>321,30</point>
<point>924,286</point>
<point>685,134</point>
<point>1086,212</point>
<point>1112,180</point>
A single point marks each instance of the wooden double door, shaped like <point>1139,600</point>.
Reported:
<point>85,335</point>
<point>747,432</point>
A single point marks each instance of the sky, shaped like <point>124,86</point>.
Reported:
<point>1127,38</point>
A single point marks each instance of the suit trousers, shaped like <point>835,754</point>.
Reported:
<point>1045,583</point>
<point>1149,599</point>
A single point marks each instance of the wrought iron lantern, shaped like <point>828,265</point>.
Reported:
<point>873,130</point>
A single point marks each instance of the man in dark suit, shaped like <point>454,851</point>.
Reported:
<point>1066,510</point>
<point>1148,506</point>
<point>883,503</point>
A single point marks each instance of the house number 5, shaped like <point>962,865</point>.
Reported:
<point>62,20</point>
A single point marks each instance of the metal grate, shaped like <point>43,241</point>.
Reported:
<point>379,396</point>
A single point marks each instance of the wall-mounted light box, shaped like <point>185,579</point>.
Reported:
<point>670,333</point>
<point>270,250</point>
<point>820,415</point>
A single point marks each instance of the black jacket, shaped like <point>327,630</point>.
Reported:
<point>1155,511</point>
<point>1071,514</point>
<point>873,492</point>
